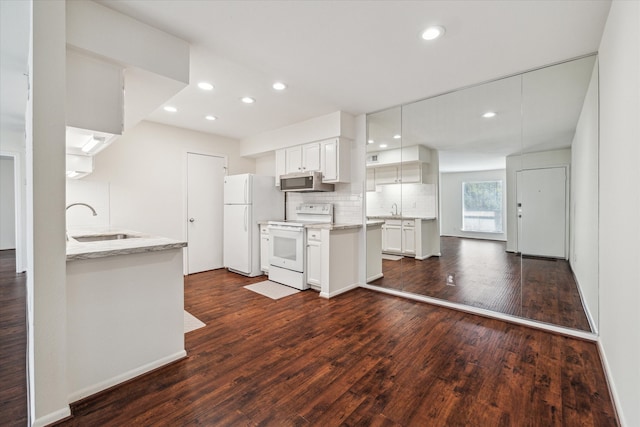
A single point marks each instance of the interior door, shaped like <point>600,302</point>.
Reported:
<point>237,237</point>
<point>205,178</point>
<point>542,212</point>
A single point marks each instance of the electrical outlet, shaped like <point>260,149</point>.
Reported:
<point>451,279</point>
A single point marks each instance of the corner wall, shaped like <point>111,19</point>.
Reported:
<point>619,275</point>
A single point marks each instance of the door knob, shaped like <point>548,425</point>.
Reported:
<point>192,220</point>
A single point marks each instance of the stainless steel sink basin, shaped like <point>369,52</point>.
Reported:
<point>103,237</point>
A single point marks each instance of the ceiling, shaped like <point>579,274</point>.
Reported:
<point>353,56</point>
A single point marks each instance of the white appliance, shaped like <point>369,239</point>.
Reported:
<point>308,181</point>
<point>248,199</point>
<point>287,241</point>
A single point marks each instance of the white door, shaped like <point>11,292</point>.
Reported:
<point>205,177</point>
<point>542,211</point>
<point>237,238</point>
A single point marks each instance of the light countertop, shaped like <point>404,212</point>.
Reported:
<point>423,218</point>
<point>139,243</point>
<point>334,226</point>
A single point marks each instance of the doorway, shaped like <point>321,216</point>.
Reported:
<point>205,185</point>
<point>542,212</point>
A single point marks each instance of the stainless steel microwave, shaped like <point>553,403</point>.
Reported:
<point>304,181</point>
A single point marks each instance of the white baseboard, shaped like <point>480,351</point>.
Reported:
<point>328,295</point>
<point>611,385</point>
<point>375,277</point>
<point>52,417</point>
<point>103,385</point>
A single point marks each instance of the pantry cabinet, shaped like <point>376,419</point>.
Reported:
<point>314,259</point>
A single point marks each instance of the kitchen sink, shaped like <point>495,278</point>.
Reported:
<point>103,237</point>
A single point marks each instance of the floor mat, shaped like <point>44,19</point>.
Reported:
<point>271,289</point>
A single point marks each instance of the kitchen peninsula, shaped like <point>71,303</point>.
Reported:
<point>125,302</point>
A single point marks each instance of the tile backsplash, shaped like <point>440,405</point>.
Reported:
<point>412,200</point>
<point>346,200</point>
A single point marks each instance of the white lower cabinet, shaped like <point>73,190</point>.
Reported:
<point>264,248</point>
<point>314,259</point>
<point>408,237</point>
<point>392,236</point>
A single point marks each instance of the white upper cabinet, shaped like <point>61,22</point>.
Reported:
<point>332,157</point>
<point>303,158</point>
<point>335,160</point>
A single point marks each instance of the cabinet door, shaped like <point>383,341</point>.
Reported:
<point>386,175</point>
<point>329,160</point>
<point>311,157</point>
<point>264,248</point>
<point>294,159</point>
<point>392,238</point>
<point>411,173</point>
<point>314,262</point>
<point>408,240</point>
<point>281,165</point>
<point>371,180</point>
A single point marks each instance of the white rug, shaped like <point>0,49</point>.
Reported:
<point>191,323</point>
<point>271,289</point>
<point>391,257</point>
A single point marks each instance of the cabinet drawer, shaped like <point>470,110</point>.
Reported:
<point>393,222</point>
<point>408,223</point>
<point>313,235</point>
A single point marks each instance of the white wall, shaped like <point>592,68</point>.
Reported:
<point>12,144</point>
<point>96,195</point>
<point>542,159</point>
<point>7,204</point>
<point>620,205</point>
<point>451,202</point>
<point>46,246</point>
<point>418,200</point>
<point>583,232</point>
<point>146,170</point>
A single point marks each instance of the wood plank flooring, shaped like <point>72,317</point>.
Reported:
<point>13,343</point>
<point>486,276</point>
<point>363,358</point>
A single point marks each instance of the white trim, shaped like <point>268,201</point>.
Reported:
<point>52,417</point>
<point>103,385</point>
<point>328,295</point>
<point>588,336</point>
<point>611,385</point>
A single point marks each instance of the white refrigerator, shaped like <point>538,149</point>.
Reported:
<point>248,199</point>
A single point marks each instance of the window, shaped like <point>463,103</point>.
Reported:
<point>482,206</point>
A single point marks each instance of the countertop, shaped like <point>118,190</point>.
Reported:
<point>374,222</point>
<point>424,218</point>
<point>334,226</point>
<point>140,243</point>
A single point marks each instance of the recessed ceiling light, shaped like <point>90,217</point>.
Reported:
<point>170,109</point>
<point>248,100</point>
<point>433,33</point>
<point>489,114</point>
<point>205,86</point>
<point>371,141</point>
<point>279,86</point>
<point>383,145</point>
<point>397,136</point>
<point>211,118</point>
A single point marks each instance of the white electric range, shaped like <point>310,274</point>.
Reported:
<point>287,242</point>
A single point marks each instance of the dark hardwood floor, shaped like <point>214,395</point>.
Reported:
<point>13,342</point>
<point>363,358</point>
<point>486,276</point>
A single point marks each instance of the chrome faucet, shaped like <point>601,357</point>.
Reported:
<point>394,209</point>
<point>83,204</point>
<point>79,204</point>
